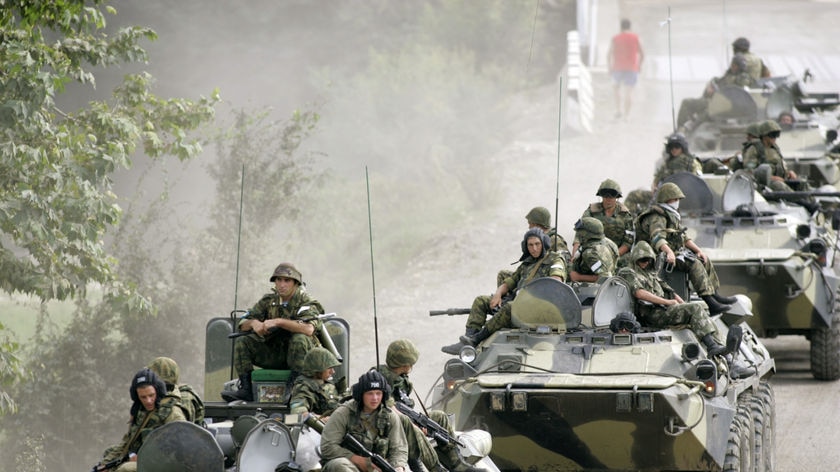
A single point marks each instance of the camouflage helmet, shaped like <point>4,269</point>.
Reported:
<point>768,127</point>
<point>667,192</point>
<point>287,269</point>
<point>370,380</point>
<point>609,188</point>
<point>401,352</point>
<point>642,250</point>
<point>741,44</point>
<point>754,129</point>
<point>167,369</point>
<point>677,139</point>
<point>319,359</point>
<point>589,228</point>
<point>539,216</point>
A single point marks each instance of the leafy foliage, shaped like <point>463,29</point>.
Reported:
<point>56,199</point>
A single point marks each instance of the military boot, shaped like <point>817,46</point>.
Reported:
<point>715,307</point>
<point>713,347</point>
<point>724,300</point>
<point>451,458</point>
<point>455,349</point>
<point>476,338</point>
<point>245,392</point>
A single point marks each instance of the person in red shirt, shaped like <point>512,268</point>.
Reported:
<point>624,59</point>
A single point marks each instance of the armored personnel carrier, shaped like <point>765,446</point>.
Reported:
<point>777,248</point>
<point>562,391</point>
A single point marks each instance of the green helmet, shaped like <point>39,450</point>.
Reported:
<point>642,250</point>
<point>589,228</point>
<point>768,127</point>
<point>668,191</point>
<point>287,269</point>
<point>167,369</point>
<point>741,44</point>
<point>539,216</point>
<point>608,188</point>
<point>319,359</point>
<point>754,129</point>
<point>401,352</point>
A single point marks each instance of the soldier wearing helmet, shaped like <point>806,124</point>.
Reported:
<point>615,217</point>
<point>659,306</point>
<point>400,358</point>
<point>314,391</point>
<point>183,395</point>
<point>283,325</point>
<point>754,65</point>
<point>766,152</point>
<point>369,421</point>
<point>660,226</point>
<point>540,217</point>
<point>536,262</point>
<point>148,412</point>
<point>676,158</point>
<point>598,255</point>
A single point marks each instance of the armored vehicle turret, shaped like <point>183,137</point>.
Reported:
<point>778,248</point>
<point>562,390</point>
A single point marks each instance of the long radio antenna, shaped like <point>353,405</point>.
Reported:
<point>559,132</point>
<point>372,272</point>
<point>238,247</point>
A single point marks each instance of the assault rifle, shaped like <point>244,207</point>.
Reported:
<point>432,429</point>
<point>353,444</point>
<point>110,465</point>
<point>360,450</point>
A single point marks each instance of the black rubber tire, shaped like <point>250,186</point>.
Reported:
<point>825,349</point>
<point>740,446</point>
<point>763,409</point>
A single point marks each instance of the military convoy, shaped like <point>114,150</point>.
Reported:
<point>561,390</point>
<point>778,248</point>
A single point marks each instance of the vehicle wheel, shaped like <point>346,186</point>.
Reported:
<point>763,408</point>
<point>740,447</point>
<point>825,349</point>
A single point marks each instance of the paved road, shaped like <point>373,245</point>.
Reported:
<point>790,37</point>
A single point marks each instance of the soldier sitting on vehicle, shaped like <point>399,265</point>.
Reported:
<point>661,227</point>
<point>313,390</point>
<point>676,158</point>
<point>765,152</point>
<point>613,215</point>
<point>695,110</point>
<point>659,306</point>
<point>537,261</point>
<point>401,356</point>
<point>597,255</point>
<point>183,394</point>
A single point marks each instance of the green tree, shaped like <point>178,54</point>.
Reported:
<point>56,199</point>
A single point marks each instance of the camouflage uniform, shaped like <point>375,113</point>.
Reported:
<point>692,313</point>
<point>310,393</point>
<point>142,423</point>
<point>184,395</point>
<point>755,66</point>
<point>671,165</point>
<point>618,227</point>
<point>660,225</point>
<point>757,153</point>
<point>599,253</point>
<point>380,432</point>
<point>281,349</point>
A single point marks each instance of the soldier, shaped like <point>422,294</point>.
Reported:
<point>696,109</point>
<point>283,325</point>
<point>371,422</point>
<point>765,151</point>
<point>184,394</point>
<point>597,255</point>
<point>736,162</point>
<point>613,215</point>
<point>660,227</point>
<point>755,66</point>
<point>538,217</point>
<point>401,356</point>
<point>676,158</point>
<point>658,306</point>
<point>313,391</point>
<point>148,412</point>
<point>537,261</point>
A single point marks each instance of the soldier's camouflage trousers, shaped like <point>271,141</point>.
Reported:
<point>478,312</point>
<point>277,352</point>
<point>702,276</point>
<point>692,314</point>
<point>419,447</point>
